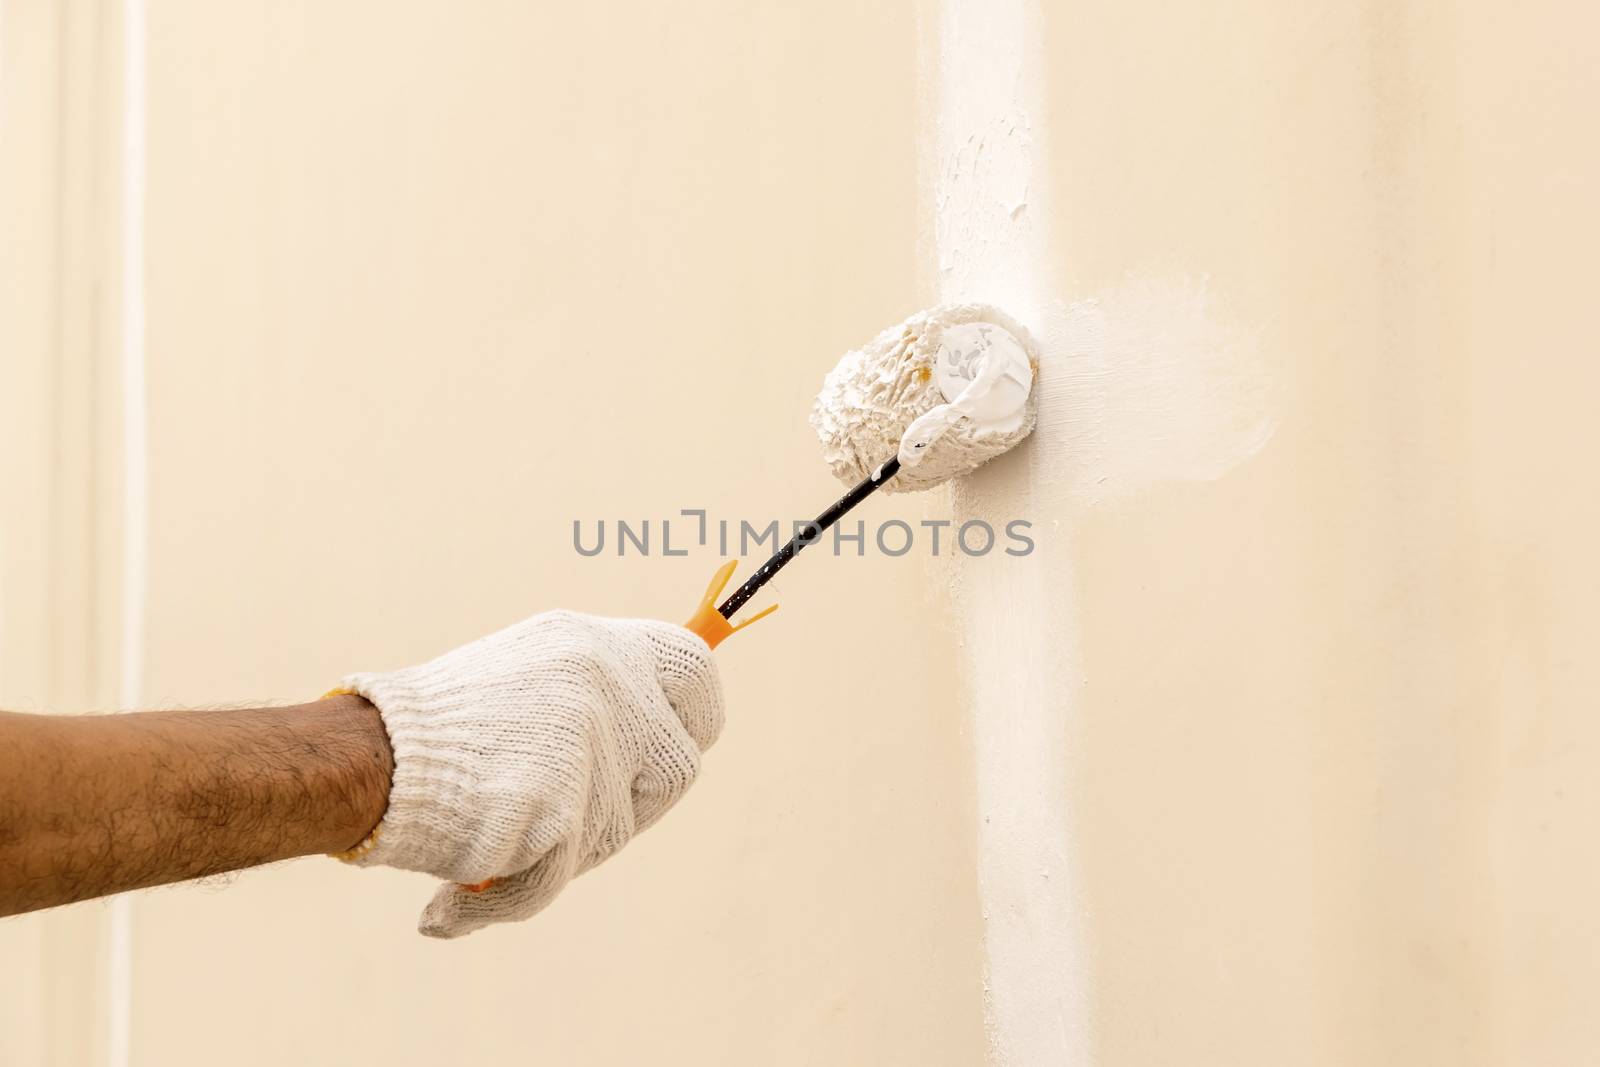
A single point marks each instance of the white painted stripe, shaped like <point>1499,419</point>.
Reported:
<point>135,504</point>
<point>990,226</point>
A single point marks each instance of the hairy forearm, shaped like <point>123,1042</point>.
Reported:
<point>91,805</point>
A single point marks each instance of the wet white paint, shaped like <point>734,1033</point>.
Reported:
<point>986,378</point>
<point>1147,383</point>
<point>1138,386</point>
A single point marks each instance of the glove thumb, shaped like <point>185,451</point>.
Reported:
<point>456,910</point>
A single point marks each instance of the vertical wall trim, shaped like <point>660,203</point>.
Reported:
<point>135,517</point>
<point>3,103</point>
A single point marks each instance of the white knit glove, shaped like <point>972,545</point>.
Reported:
<point>531,755</point>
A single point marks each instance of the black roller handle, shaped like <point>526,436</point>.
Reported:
<point>812,532</point>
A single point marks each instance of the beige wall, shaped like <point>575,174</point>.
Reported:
<point>58,525</point>
<point>424,285</point>
<point>1335,745</point>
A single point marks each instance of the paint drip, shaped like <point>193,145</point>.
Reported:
<point>914,373</point>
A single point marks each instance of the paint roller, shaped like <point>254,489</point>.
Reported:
<point>945,391</point>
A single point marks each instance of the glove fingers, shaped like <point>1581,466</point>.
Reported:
<point>455,911</point>
<point>688,677</point>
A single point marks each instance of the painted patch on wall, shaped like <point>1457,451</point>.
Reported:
<point>1145,384</point>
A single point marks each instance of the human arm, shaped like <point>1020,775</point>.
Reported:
<point>513,763</point>
<point>98,804</point>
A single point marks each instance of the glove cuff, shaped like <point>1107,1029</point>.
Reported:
<point>416,832</point>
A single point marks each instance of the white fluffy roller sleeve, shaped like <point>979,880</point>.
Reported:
<point>873,395</point>
<point>533,754</point>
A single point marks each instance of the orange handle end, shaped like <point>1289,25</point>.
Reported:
<point>708,622</point>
